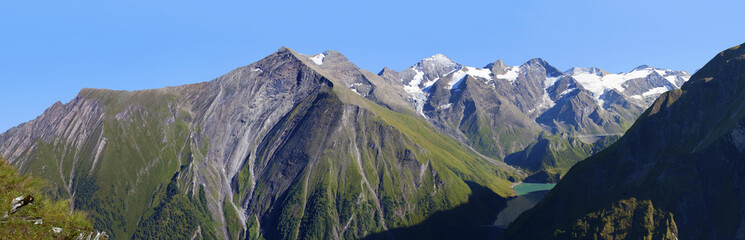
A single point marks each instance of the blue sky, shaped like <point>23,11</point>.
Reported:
<point>49,50</point>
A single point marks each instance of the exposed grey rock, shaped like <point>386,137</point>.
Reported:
<point>19,202</point>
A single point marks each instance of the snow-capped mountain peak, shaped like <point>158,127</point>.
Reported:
<point>642,83</point>
<point>438,60</point>
<point>640,86</point>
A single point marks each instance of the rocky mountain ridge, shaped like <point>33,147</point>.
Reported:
<point>536,87</point>
<point>503,111</point>
<point>281,148</point>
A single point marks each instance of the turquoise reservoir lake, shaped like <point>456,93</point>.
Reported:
<point>526,188</point>
<point>528,195</point>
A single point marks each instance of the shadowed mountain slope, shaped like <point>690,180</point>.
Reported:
<point>677,173</point>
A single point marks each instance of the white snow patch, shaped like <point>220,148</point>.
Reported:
<point>352,87</point>
<point>638,73</point>
<point>480,72</point>
<point>511,74</point>
<point>446,106</point>
<point>458,77</point>
<point>672,79</point>
<point>550,81</point>
<point>431,82</point>
<point>318,58</point>
<point>565,92</point>
<point>416,93</point>
<point>257,70</point>
<point>655,91</point>
<point>414,83</point>
<point>595,82</point>
<point>598,84</point>
<point>545,104</point>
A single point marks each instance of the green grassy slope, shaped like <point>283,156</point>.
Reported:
<point>53,213</point>
<point>177,217</point>
<point>143,149</point>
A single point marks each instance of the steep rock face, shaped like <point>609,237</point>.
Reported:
<point>428,70</point>
<point>528,90</point>
<point>576,112</point>
<point>418,78</point>
<point>614,101</point>
<point>479,116</point>
<point>349,174</point>
<point>285,147</point>
<point>682,155</point>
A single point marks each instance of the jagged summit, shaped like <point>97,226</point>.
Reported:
<point>497,67</point>
<point>438,59</point>
<point>551,71</point>
<point>386,70</point>
<point>283,49</point>
<point>335,56</point>
<point>498,63</point>
<point>538,60</point>
<point>317,59</point>
<point>435,66</point>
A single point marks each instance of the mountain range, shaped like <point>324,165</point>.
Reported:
<point>676,173</point>
<point>311,146</point>
<point>532,116</point>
